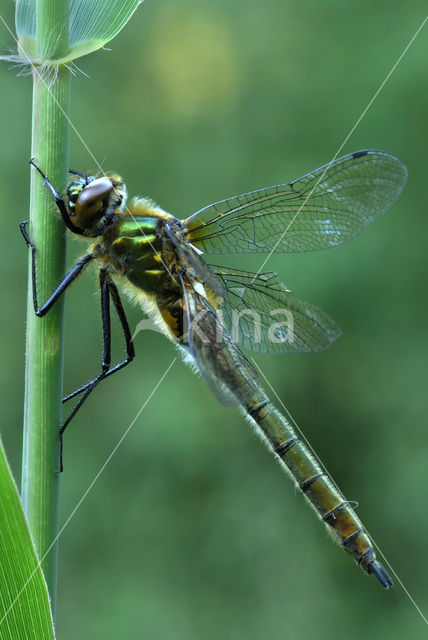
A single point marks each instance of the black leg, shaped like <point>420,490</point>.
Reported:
<point>67,280</point>
<point>58,201</point>
<point>130,351</point>
<point>106,359</point>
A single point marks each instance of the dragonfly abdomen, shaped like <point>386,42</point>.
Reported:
<point>336,513</point>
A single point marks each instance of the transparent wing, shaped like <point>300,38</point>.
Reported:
<point>262,315</point>
<point>223,366</point>
<point>323,209</point>
<point>199,266</point>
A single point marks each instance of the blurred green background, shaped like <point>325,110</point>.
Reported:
<point>192,531</point>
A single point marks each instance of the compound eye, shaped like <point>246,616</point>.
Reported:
<point>90,201</point>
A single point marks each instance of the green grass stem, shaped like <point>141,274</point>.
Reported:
<point>44,342</point>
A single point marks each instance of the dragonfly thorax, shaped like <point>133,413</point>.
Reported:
<point>133,249</point>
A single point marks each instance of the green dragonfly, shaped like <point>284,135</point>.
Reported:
<point>210,311</point>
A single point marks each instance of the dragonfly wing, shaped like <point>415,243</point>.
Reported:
<point>199,266</point>
<point>323,209</point>
<point>262,315</point>
<point>220,362</point>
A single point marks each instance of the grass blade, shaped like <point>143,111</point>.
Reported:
<point>24,603</point>
<point>92,25</point>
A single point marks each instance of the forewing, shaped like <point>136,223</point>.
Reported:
<point>323,209</point>
<point>196,263</point>
<point>262,315</point>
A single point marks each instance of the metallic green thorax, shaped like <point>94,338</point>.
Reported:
<point>135,251</point>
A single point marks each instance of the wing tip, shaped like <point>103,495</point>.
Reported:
<point>334,332</point>
<point>378,152</point>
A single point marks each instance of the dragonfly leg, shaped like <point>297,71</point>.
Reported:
<point>105,361</point>
<point>108,288</point>
<point>59,201</point>
<point>75,173</point>
<point>130,351</point>
<point>74,272</point>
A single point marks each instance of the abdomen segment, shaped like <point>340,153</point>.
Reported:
<point>336,513</point>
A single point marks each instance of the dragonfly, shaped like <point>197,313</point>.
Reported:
<point>210,312</point>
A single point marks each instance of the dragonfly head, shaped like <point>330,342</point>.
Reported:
<point>93,203</point>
